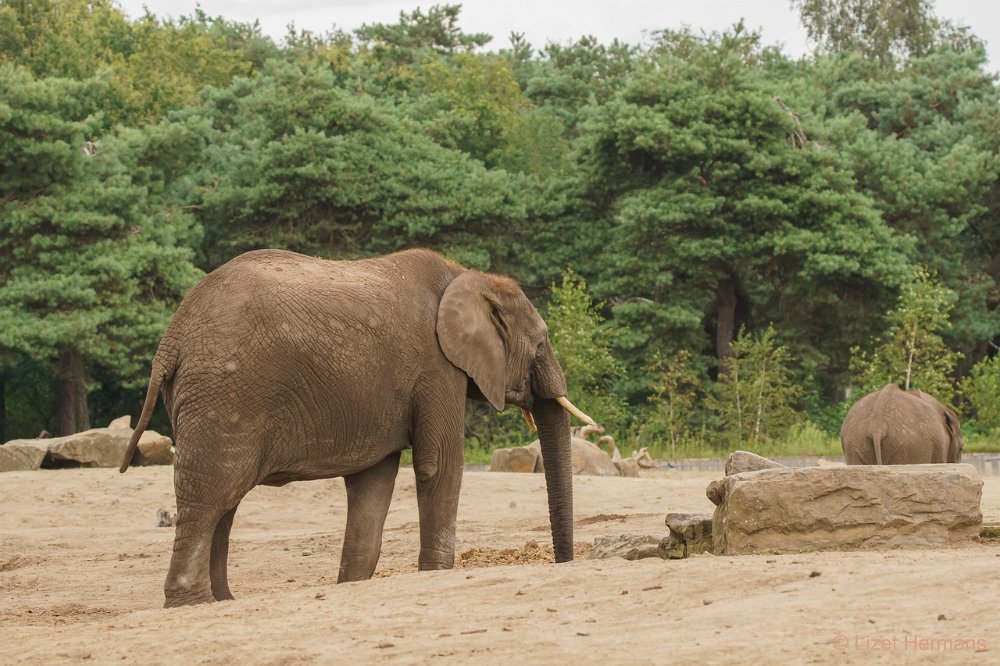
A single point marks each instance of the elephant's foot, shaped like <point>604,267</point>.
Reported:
<point>188,598</point>
<point>222,594</point>
<point>434,559</point>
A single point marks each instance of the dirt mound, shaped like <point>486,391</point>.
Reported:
<point>530,553</point>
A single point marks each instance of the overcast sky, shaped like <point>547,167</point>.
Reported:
<point>559,21</point>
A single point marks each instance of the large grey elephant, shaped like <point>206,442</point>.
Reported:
<point>280,367</point>
<point>896,427</point>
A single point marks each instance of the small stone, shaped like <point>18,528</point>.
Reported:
<point>707,602</point>
<point>941,617</point>
<point>814,574</point>
<point>164,518</point>
<point>306,553</point>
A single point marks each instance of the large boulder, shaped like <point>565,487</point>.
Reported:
<point>812,508</point>
<point>20,455</point>
<point>154,449</point>
<point>516,459</point>
<point>588,458</point>
<point>99,447</point>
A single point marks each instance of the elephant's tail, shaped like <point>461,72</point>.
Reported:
<point>159,373</point>
<point>877,444</point>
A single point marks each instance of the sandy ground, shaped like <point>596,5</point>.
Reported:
<point>82,568</point>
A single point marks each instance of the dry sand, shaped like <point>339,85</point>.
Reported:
<point>82,568</point>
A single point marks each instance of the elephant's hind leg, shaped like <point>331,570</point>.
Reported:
<point>369,493</point>
<point>220,557</point>
<point>189,578</point>
<point>206,504</point>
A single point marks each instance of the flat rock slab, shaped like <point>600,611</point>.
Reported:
<point>812,508</point>
<point>628,546</point>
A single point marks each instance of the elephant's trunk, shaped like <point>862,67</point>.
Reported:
<point>553,434</point>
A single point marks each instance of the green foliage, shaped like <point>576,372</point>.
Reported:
<point>912,353</point>
<point>981,391</point>
<point>699,183</point>
<point>583,349</point>
<point>94,255</point>
<point>152,66</point>
<point>755,398</point>
<point>677,388</point>
<point>883,30</point>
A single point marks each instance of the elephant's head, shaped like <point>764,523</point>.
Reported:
<point>488,328</point>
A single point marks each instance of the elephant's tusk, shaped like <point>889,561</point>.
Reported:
<point>530,418</point>
<point>571,408</point>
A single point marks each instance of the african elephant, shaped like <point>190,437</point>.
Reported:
<point>280,367</point>
<point>896,427</point>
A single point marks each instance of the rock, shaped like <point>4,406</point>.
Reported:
<point>716,491</point>
<point>690,534</point>
<point>737,463</point>
<point>517,459</point>
<point>100,447</point>
<point>588,459</point>
<point>120,423</point>
<point>164,518</point>
<point>816,508</point>
<point>627,467</point>
<point>20,455</point>
<point>629,546</point>
<point>744,461</point>
<point>154,449</point>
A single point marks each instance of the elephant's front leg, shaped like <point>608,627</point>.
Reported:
<point>369,493</point>
<point>438,459</point>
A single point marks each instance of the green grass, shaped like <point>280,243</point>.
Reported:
<point>982,443</point>
<point>804,439</point>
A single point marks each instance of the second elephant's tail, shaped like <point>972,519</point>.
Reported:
<point>877,444</point>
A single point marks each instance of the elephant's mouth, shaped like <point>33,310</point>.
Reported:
<point>568,406</point>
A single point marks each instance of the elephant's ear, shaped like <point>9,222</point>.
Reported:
<point>467,332</point>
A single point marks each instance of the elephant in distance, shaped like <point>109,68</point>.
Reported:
<point>896,427</point>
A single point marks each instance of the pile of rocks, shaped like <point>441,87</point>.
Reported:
<point>588,457</point>
<point>99,447</point>
<point>765,507</point>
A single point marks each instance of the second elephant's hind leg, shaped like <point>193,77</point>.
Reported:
<point>369,493</point>
<point>218,567</point>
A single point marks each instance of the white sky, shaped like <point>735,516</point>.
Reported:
<point>559,21</point>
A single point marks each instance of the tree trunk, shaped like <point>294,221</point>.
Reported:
<point>3,409</point>
<point>74,416</point>
<point>725,329</point>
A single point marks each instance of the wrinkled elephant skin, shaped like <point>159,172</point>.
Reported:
<point>280,367</point>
